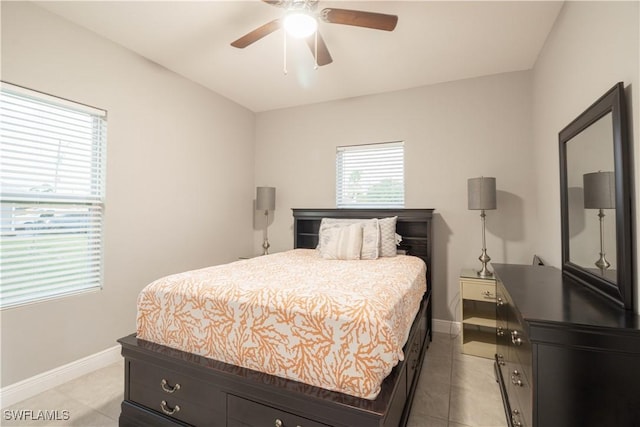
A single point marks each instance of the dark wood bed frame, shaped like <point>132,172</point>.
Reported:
<point>169,387</point>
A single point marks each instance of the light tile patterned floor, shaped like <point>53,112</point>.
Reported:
<point>455,390</point>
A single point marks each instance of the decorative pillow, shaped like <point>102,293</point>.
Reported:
<point>388,236</point>
<point>370,234</point>
<point>343,242</point>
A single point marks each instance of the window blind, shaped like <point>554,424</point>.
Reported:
<point>52,177</point>
<point>370,175</point>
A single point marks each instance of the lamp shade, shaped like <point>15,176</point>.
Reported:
<point>482,193</point>
<point>265,199</point>
<point>599,190</point>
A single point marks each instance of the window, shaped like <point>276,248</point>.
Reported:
<point>52,171</point>
<point>370,176</point>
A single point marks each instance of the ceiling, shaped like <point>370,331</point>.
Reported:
<point>434,42</point>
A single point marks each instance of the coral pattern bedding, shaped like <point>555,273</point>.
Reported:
<point>335,324</point>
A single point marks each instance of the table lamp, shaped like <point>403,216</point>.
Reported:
<point>599,193</point>
<point>482,196</point>
<point>266,201</point>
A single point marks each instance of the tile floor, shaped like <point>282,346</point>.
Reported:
<point>455,390</point>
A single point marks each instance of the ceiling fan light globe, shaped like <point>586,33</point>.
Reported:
<point>300,25</point>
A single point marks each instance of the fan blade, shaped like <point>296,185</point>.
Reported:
<point>324,57</point>
<point>256,34</point>
<point>358,18</point>
<point>277,3</point>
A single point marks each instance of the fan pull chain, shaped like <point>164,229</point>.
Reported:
<point>284,65</point>
<point>315,56</point>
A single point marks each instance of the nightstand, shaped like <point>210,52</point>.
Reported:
<point>478,314</point>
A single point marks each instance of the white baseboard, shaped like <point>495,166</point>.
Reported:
<point>446,326</point>
<point>25,389</point>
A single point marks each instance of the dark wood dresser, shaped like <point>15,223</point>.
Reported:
<point>565,355</point>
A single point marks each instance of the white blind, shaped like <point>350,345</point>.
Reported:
<point>52,172</point>
<point>370,175</point>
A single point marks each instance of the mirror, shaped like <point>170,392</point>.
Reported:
<point>595,199</point>
<point>591,205</point>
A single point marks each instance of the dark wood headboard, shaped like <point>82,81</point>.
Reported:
<point>414,225</point>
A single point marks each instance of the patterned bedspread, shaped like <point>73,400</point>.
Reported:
<point>339,325</point>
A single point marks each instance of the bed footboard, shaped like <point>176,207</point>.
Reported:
<point>168,387</point>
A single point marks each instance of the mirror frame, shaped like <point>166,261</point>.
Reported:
<point>620,291</point>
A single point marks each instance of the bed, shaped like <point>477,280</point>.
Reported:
<point>177,378</point>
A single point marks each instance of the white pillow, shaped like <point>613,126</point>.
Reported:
<point>370,234</point>
<point>342,242</point>
<point>388,236</point>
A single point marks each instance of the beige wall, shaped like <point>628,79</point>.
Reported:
<point>179,182</point>
<point>592,46</point>
<point>181,172</point>
<point>452,132</point>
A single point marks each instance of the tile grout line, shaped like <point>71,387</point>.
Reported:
<point>78,402</point>
<point>69,397</point>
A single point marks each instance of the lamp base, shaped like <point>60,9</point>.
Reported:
<point>484,273</point>
<point>602,262</point>
<point>484,259</point>
<point>265,244</point>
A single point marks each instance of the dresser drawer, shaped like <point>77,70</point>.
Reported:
<point>502,327</point>
<point>176,395</point>
<point>519,396</point>
<point>478,291</point>
<point>520,347</point>
<point>246,413</point>
<point>174,407</point>
<point>412,354</point>
<point>173,384</point>
<point>414,346</point>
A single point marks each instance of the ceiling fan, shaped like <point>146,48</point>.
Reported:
<point>301,21</point>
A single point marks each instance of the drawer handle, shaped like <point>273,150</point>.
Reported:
<point>279,423</point>
<point>166,387</point>
<point>488,294</point>
<point>500,332</point>
<point>515,339</point>
<point>167,410</point>
<point>500,302</point>
<point>515,380</point>
<point>515,422</point>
